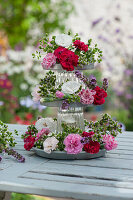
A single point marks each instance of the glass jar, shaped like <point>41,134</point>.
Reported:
<point>73,116</point>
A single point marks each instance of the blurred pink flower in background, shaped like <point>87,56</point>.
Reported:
<point>35,94</point>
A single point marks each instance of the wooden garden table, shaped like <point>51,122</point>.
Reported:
<point>109,178</point>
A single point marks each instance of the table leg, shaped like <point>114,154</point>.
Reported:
<point>5,195</point>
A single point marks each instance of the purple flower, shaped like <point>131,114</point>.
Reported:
<point>65,105</point>
<point>82,77</point>
<point>129,72</point>
<point>122,126</point>
<point>95,22</point>
<point>15,154</point>
<point>130,36</point>
<point>105,84</point>
<point>117,30</point>
<point>93,81</point>
<point>129,96</point>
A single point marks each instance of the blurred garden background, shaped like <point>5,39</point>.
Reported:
<point>24,22</point>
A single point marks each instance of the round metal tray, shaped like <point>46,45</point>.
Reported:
<point>61,155</point>
<point>59,104</point>
<point>58,67</point>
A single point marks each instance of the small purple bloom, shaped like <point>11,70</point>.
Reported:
<point>93,81</point>
<point>95,22</point>
<point>65,105</point>
<point>129,96</point>
<point>105,84</point>
<point>117,30</point>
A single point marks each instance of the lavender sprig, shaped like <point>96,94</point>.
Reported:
<point>15,154</point>
<point>90,83</point>
<point>82,77</point>
<point>105,84</point>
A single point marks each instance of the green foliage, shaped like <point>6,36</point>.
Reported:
<point>19,17</point>
<point>17,196</point>
<point>6,137</point>
<point>104,126</point>
<point>47,87</point>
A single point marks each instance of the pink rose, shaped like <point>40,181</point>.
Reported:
<point>109,142</point>
<point>59,94</point>
<point>73,144</point>
<point>48,61</point>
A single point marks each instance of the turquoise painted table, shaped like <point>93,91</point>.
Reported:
<point>109,178</point>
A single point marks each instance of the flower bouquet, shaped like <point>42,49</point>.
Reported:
<point>69,136</point>
<point>68,52</point>
<point>72,142</point>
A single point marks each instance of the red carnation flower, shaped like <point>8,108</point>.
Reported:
<point>99,96</point>
<point>80,45</point>
<point>67,66</point>
<point>92,147</point>
<point>66,58</point>
<point>29,142</point>
<point>87,134</point>
<point>57,52</point>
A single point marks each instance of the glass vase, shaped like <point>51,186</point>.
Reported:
<point>73,116</point>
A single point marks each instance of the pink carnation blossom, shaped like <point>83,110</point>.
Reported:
<point>73,144</point>
<point>86,96</point>
<point>110,142</point>
<point>44,131</point>
<point>35,94</point>
<point>48,61</point>
<point>59,94</point>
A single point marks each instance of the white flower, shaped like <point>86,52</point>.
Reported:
<point>50,144</point>
<point>63,40</point>
<point>70,87</point>
<point>24,86</point>
<point>46,122</point>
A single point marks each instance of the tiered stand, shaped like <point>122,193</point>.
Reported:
<point>72,116</point>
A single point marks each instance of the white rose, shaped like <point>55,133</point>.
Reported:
<point>70,87</point>
<point>50,144</point>
<point>63,40</point>
<point>46,122</point>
